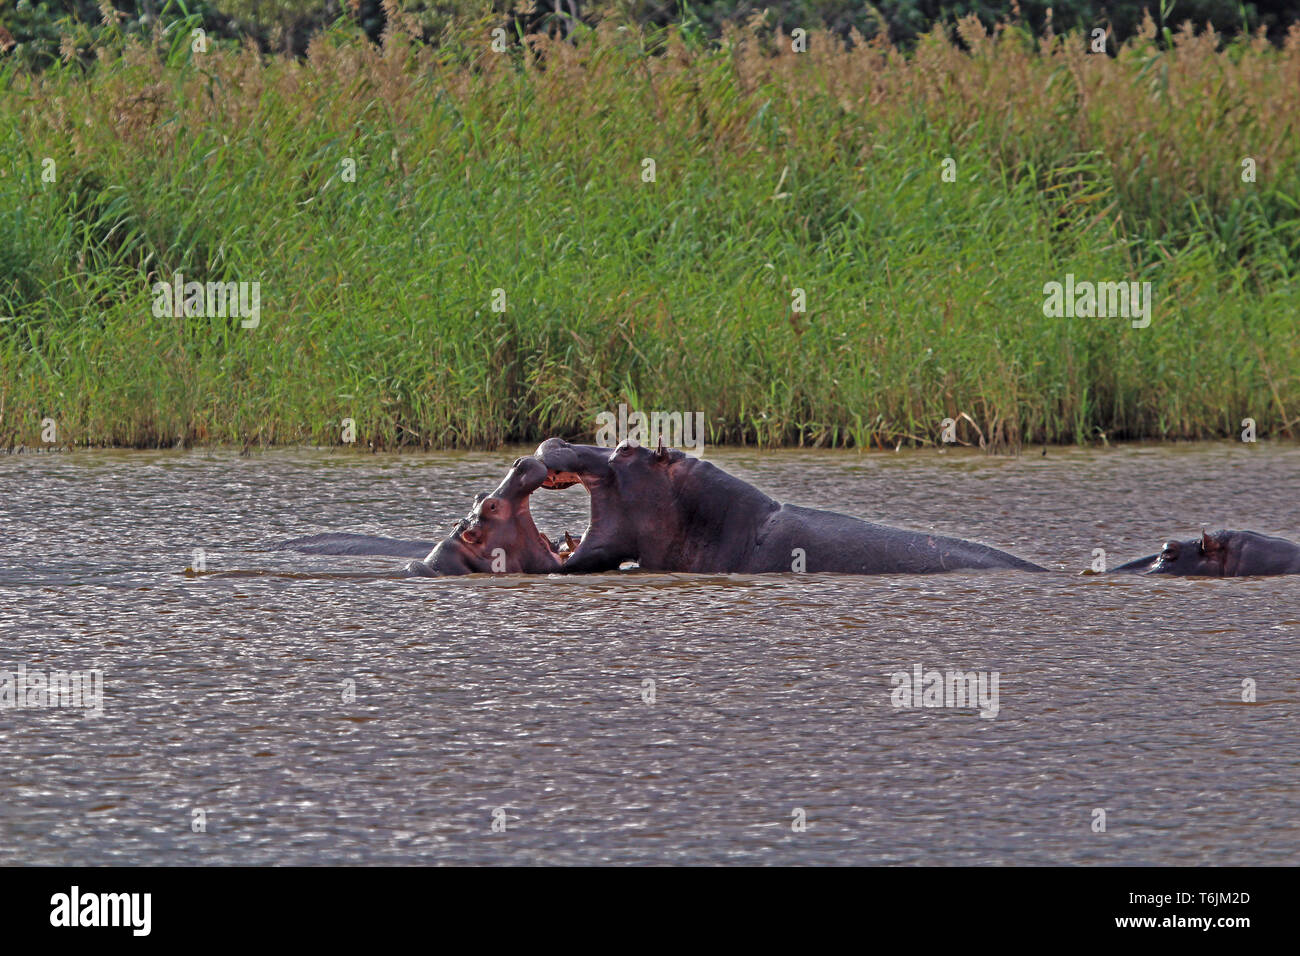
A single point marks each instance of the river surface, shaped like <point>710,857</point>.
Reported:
<point>290,709</point>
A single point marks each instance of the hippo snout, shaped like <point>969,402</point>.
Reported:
<point>527,475</point>
<point>553,451</point>
<point>568,464</point>
<point>561,463</point>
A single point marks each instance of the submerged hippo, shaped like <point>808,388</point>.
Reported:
<point>498,535</point>
<point>670,512</point>
<point>345,542</point>
<point>1221,554</point>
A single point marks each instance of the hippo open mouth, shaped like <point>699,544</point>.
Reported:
<point>587,465</point>
<point>627,504</point>
<point>561,479</point>
<point>499,535</point>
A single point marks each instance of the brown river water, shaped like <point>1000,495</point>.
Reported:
<point>282,708</point>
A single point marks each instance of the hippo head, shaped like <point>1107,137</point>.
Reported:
<point>1221,554</point>
<point>499,535</point>
<point>632,497</point>
<point>1207,555</point>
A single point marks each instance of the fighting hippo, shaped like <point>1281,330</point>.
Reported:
<point>670,512</point>
<point>498,535</point>
<point>1221,554</point>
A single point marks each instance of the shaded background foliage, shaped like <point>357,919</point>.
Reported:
<point>38,28</point>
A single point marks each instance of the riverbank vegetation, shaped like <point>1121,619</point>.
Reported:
<point>458,247</point>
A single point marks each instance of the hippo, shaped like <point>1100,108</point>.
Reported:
<point>1221,554</point>
<point>498,535</point>
<point>668,511</point>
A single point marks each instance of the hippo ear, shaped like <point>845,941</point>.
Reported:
<point>472,535</point>
<point>1208,544</point>
<point>661,453</point>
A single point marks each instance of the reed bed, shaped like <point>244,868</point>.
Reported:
<point>524,172</point>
